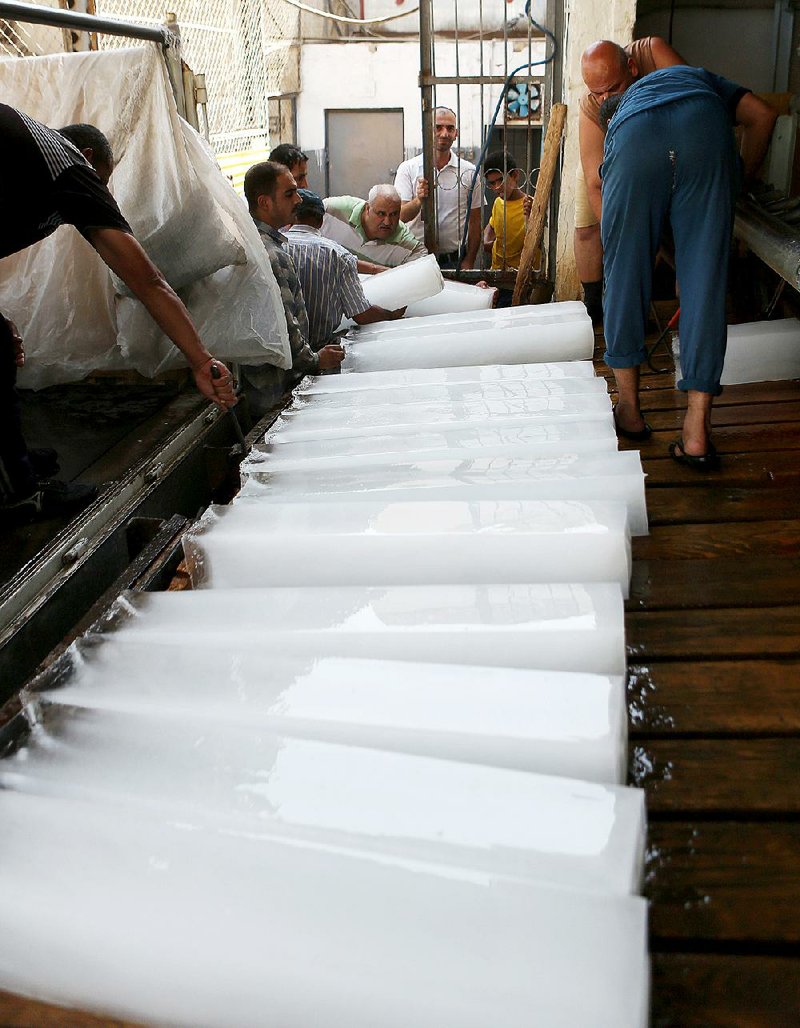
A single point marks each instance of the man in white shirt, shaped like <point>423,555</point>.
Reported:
<point>454,176</point>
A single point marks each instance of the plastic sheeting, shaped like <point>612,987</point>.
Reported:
<point>182,209</point>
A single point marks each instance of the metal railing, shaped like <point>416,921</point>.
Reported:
<point>37,15</point>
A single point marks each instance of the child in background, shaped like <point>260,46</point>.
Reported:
<point>505,233</point>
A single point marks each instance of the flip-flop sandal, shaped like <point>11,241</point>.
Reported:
<point>625,433</point>
<point>708,461</point>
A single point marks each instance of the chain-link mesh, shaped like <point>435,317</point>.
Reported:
<point>248,50</point>
<point>242,46</point>
<point>18,39</point>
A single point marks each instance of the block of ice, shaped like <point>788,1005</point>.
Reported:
<point>763,351</point>
<point>585,477</point>
<point>539,828</point>
<point>463,441</point>
<point>560,627</point>
<point>454,298</point>
<point>308,422</point>
<point>379,543</point>
<point>766,351</point>
<point>548,339</point>
<point>499,320</point>
<point>456,392</point>
<point>554,722</point>
<point>405,284</point>
<point>217,930</point>
<point>315,384</point>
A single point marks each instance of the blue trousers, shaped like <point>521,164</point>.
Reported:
<point>673,164</point>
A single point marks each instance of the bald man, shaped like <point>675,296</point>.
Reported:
<point>670,158</point>
<point>602,66</point>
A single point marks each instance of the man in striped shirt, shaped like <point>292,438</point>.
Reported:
<point>327,272</point>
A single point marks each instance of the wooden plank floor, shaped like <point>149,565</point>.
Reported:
<point>713,633</point>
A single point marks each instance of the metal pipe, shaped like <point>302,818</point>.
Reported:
<point>771,240</point>
<point>37,15</point>
<point>428,122</point>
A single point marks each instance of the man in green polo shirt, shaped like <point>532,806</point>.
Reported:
<point>371,229</point>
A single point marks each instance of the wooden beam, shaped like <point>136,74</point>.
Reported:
<point>535,228</point>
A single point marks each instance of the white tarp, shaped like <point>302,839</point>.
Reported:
<point>178,203</point>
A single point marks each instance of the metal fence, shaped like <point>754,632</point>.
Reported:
<point>246,48</point>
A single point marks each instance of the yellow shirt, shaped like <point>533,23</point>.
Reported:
<point>509,227</point>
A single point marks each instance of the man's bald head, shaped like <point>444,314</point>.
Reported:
<point>607,69</point>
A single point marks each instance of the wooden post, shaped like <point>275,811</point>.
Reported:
<point>534,231</point>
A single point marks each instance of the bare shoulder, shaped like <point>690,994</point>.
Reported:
<point>664,56</point>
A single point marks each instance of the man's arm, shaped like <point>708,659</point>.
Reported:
<point>368,268</point>
<point>591,141</point>
<point>373,314</point>
<point>473,239</point>
<point>411,208</point>
<point>126,258</point>
<point>353,302</point>
<point>663,54</point>
<point>411,190</point>
<point>757,120</point>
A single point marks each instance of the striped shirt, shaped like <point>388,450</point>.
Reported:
<point>47,182</point>
<point>329,277</point>
<point>304,360</point>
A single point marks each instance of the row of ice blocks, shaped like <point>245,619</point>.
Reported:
<point>501,437</point>
<point>511,335</point>
<point>286,812</point>
<point>382,785</point>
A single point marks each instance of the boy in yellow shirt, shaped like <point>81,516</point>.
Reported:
<point>505,232</point>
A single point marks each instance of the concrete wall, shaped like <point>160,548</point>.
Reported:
<point>358,75</point>
<point>585,22</point>
<point>713,39</point>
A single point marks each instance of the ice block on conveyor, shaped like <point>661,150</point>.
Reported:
<point>405,284</point>
<point>455,298</point>
<point>565,723</point>
<point>545,339</point>
<point>461,441</point>
<point>309,422</point>
<point>589,478</point>
<point>455,392</point>
<point>539,828</point>
<point>254,544</point>
<point>499,320</point>
<point>217,930</point>
<point>489,373</point>
<point>562,627</point>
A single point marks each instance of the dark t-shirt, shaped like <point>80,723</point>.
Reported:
<point>45,182</point>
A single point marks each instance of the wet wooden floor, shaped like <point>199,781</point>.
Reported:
<point>713,633</point>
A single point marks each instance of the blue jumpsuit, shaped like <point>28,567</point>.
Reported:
<point>670,157</point>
